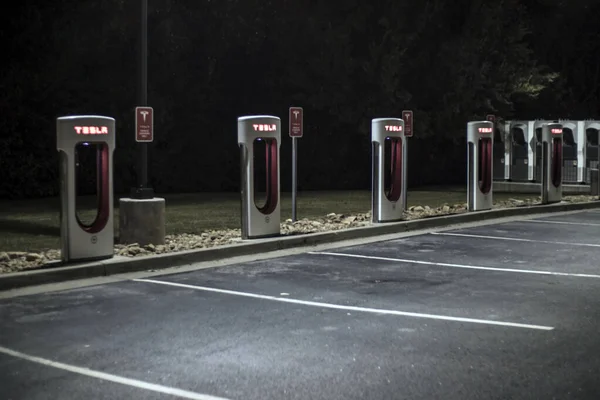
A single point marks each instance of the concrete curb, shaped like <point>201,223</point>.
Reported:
<point>118,265</point>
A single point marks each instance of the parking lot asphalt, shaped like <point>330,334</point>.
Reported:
<point>499,311</point>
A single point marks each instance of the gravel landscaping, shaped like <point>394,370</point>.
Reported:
<point>18,261</point>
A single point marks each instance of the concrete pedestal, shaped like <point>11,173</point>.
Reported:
<point>142,221</point>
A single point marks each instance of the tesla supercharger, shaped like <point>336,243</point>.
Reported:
<point>81,241</point>
<point>573,151</point>
<point>592,131</point>
<point>260,130</point>
<point>388,192</point>
<point>479,165</point>
<point>519,160</point>
<point>536,147</point>
<point>501,153</point>
<point>552,161</point>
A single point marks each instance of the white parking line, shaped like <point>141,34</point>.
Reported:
<point>440,264</point>
<point>112,378</point>
<point>513,239</point>
<point>543,221</point>
<point>348,308</point>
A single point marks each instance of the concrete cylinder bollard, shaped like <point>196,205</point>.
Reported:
<point>142,221</point>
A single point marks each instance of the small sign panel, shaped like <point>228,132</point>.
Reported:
<point>296,122</point>
<point>490,117</point>
<point>407,116</point>
<point>144,124</point>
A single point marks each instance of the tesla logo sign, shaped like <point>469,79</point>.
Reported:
<point>296,122</point>
<point>264,127</point>
<point>407,116</point>
<point>556,131</point>
<point>144,124</point>
<point>91,130</point>
<point>393,128</point>
<point>485,130</point>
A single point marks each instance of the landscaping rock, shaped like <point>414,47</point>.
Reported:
<point>33,257</point>
<point>16,254</point>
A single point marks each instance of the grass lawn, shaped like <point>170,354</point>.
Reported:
<point>33,225</point>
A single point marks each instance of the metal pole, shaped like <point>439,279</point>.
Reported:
<point>294,179</point>
<point>144,90</point>
<point>405,175</point>
<point>142,191</point>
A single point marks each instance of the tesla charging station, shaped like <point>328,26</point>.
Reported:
<point>95,240</point>
<point>388,194</point>
<point>552,160</point>
<point>520,156</point>
<point>536,147</point>
<point>573,151</point>
<point>260,130</point>
<point>480,135</point>
<point>592,133</point>
<point>501,153</point>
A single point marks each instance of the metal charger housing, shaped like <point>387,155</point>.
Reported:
<point>384,208</point>
<point>96,240</point>
<point>265,222</point>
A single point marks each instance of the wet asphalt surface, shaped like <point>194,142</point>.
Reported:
<point>269,330</point>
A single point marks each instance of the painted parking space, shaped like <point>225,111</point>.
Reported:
<point>403,286</point>
<point>478,250</point>
<point>577,230</point>
<point>234,347</point>
<point>426,316</point>
<point>586,218</point>
<point>32,378</point>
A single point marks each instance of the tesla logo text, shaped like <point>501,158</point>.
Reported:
<point>485,130</point>
<point>556,131</point>
<point>91,130</point>
<point>264,127</point>
<point>144,113</point>
<point>393,128</point>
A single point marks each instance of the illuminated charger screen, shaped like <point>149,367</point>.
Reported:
<point>91,130</point>
<point>393,128</point>
<point>264,127</point>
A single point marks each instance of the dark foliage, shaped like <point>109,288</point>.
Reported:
<point>345,62</point>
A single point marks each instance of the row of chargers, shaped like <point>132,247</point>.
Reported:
<point>259,139</point>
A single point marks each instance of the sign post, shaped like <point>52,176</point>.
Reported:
<point>142,216</point>
<point>407,117</point>
<point>143,131</point>
<point>296,130</point>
